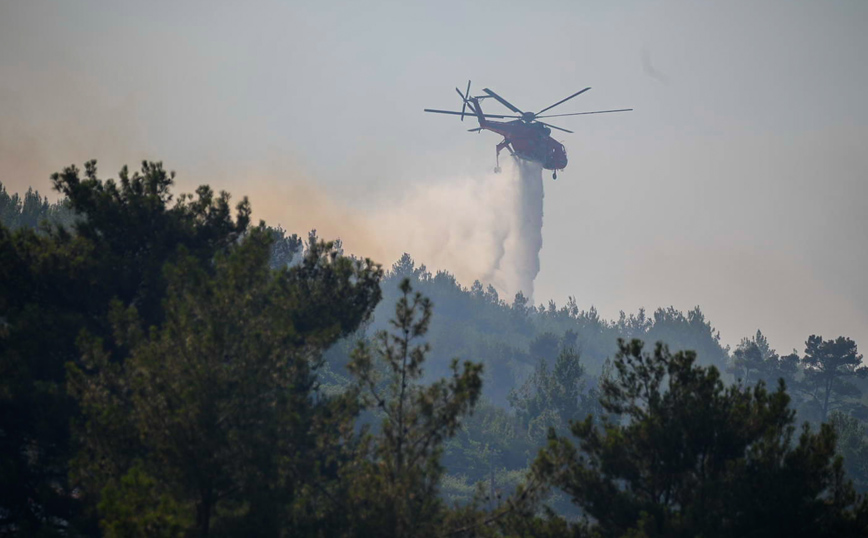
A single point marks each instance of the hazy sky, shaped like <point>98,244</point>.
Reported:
<point>739,183</point>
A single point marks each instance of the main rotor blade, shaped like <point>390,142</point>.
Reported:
<point>555,127</point>
<point>583,113</point>
<point>503,101</point>
<point>563,101</point>
<point>459,113</point>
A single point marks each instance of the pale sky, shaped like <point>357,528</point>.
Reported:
<point>739,183</point>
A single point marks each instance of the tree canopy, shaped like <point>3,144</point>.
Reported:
<point>689,456</point>
<point>168,368</point>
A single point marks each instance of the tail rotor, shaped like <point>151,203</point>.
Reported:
<point>464,98</point>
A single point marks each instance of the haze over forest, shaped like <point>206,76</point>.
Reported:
<point>337,319</point>
<point>736,184</point>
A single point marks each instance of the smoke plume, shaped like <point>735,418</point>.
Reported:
<point>486,228</point>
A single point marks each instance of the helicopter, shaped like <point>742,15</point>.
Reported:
<point>525,137</point>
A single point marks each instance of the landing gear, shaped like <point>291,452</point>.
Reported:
<point>496,169</point>
<point>555,175</point>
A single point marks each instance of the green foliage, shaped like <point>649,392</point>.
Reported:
<point>285,249</point>
<point>209,374</point>
<point>489,442</point>
<point>135,507</point>
<point>395,488</point>
<point>697,458</point>
<point>54,284</point>
<point>32,210</point>
<point>830,367</point>
<point>136,226</point>
<point>754,360</point>
<point>43,305</point>
<point>687,332</point>
<point>476,323</point>
<point>853,447</point>
<point>553,398</point>
<point>510,340</point>
<point>220,402</point>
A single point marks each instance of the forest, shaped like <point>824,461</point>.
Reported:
<point>170,368</point>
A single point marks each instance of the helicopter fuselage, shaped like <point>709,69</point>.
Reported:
<point>529,141</point>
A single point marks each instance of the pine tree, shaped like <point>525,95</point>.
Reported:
<point>395,488</point>
<point>829,367</point>
<point>692,457</point>
<point>219,404</point>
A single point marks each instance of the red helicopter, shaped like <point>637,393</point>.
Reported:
<point>525,137</point>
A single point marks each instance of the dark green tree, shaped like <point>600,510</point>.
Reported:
<point>554,396</point>
<point>490,448</point>
<point>137,506</point>
<point>394,489</point>
<point>405,267</point>
<point>830,367</point>
<point>754,360</point>
<point>693,457</point>
<point>57,282</point>
<point>853,447</point>
<point>690,331</point>
<point>285,249</point>
<point>217,410</point>
<point>136,225</point>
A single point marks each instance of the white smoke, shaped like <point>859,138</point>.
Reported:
<point>486,228</point>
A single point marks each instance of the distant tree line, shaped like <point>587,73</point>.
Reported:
<point>31,210</point>
<point>168,368</point>
<point>521,345</point>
